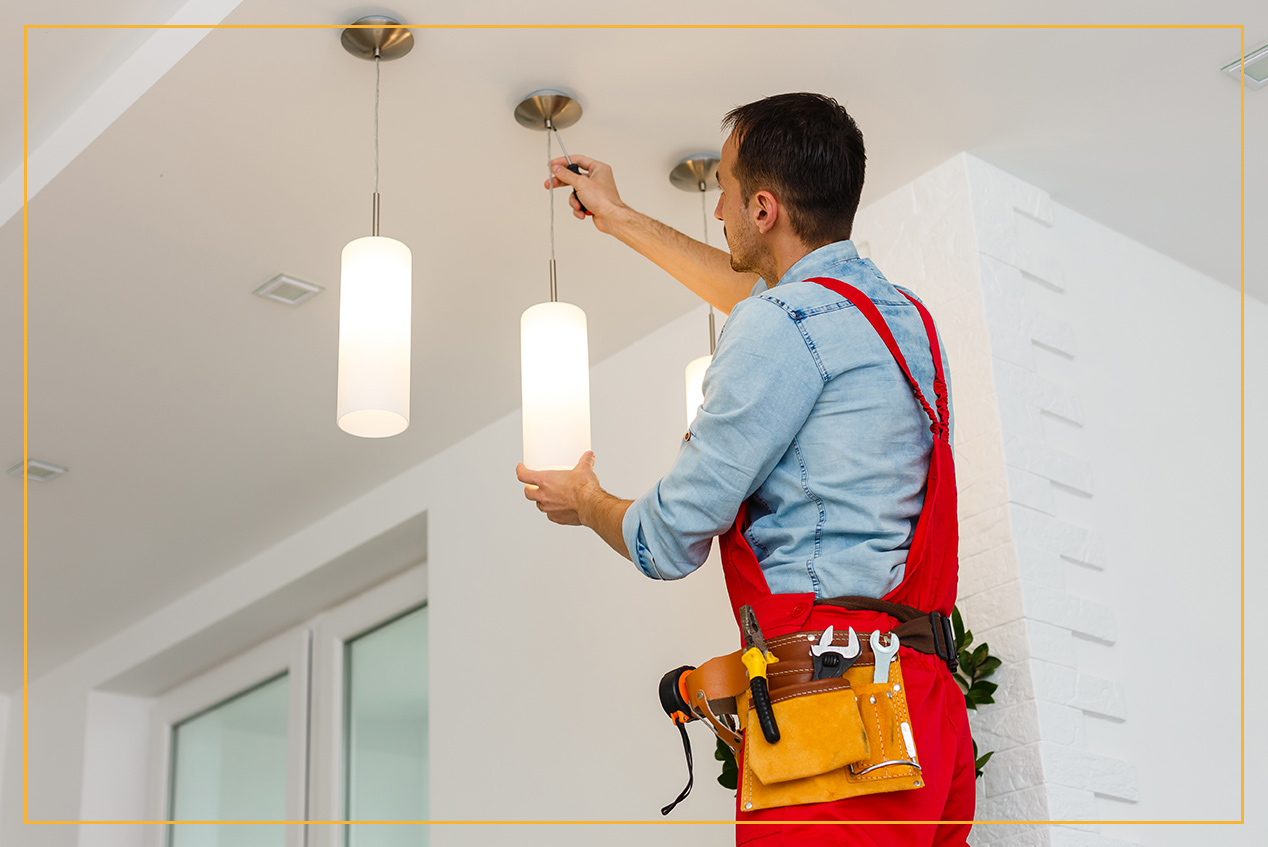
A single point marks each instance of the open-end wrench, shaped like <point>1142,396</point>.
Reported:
<point>830,661</point>
<point>884,655</point>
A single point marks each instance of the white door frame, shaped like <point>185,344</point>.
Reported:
<point>332,631</point>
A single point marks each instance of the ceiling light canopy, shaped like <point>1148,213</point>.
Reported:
<point>375,288</point>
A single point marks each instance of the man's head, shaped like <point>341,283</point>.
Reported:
<point>795,156</point>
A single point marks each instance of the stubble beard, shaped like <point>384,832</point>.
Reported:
<point>741,258</point>
<point>745,255</point>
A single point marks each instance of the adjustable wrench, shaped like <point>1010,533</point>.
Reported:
<point>831,662</point>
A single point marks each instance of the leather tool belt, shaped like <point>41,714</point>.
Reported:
<point>842,736</point>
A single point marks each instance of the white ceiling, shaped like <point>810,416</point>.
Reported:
<point>198,421</point>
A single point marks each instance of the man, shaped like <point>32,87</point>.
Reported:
<point>815,455</point>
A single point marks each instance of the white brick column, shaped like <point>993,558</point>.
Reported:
<point>968,239</point>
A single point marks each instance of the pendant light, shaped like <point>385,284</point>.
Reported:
<point>375,284</point>
<point>554,348</point>
<point>698,174</point>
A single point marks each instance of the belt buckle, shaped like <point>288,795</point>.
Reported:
<point>944,640</point>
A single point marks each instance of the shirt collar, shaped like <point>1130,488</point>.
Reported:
<point>818,262</point>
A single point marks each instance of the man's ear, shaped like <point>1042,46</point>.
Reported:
<point>765,209</point>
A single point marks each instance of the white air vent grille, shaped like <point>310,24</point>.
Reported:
<point>1255,65</point>
<point>288,290</point>
<point>38,471</point>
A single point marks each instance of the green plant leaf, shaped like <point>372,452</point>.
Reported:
<point>984,687</point>
<point>730,776</point>
<point>977,696</point>
<point>975,665</point>
<point>980,654</point>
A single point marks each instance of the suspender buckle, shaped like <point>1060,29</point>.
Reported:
<point>944,640</point>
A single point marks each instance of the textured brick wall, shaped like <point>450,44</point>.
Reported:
<point>967,238</point>
<point>1028,602</point>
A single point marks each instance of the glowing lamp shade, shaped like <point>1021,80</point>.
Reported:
<point>374,337</point>
<point>555,370</point>
<point>695,385</point>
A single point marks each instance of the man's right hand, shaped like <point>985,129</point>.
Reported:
<point>596,188</point>
<point>704,270</point>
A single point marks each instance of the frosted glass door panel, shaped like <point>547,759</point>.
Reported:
<point>387,748</point>
<point>229,764</point>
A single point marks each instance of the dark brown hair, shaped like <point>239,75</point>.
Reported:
<point>806,150</point>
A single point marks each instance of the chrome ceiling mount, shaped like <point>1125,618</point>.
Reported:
<point>377,37</point>
<point>548,109</point>
<point>551,110</point>
<point>698,172</point>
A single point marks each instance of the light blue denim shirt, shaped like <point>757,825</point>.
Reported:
<point>806,413</point>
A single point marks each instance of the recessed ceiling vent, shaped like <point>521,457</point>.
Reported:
<point>288,290</point>
<point>37,470</point>
<point>1255,66</point>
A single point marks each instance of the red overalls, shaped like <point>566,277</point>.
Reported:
<point>939,720</point>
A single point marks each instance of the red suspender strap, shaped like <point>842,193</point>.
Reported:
<point>939,382</point>
<point>868,309</point>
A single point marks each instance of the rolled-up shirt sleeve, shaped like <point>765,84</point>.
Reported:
<point>758,391</point>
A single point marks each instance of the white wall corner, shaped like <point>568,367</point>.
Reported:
<point>11,826</point>
<point>116,744</point>
<point>157,55</point>
<point>1042,421</point>
<point>4,738</point>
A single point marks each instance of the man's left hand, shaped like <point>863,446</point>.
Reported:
<point>574,498</point>
<point>560,494</point>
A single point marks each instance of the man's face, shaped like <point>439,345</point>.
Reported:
<point>741,234</point>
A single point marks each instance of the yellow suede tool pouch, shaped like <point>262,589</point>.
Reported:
<point>839,738</point>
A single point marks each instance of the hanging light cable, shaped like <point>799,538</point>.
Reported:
<point>554,346</point>
<point>696,173</point>
<point>375,284</point>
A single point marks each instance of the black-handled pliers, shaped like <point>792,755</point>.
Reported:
<point>755,659</point>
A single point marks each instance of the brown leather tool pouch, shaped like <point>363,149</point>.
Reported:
<point>840,738</point>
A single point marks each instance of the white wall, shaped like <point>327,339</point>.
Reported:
<point>114,769</point>
<point>1156,369</point>
<point>4,740</point>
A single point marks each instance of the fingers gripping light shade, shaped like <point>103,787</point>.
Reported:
<point>554,347</point>
<point>374,337</point>
<point>375,285</point>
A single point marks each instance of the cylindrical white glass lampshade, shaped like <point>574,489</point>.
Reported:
<point>695,385</point>
<point>555,373</point>
<point>374,337</point>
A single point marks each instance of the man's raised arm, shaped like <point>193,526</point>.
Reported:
<point>703,269</point>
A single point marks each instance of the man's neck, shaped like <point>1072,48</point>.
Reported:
<point>783,256</point>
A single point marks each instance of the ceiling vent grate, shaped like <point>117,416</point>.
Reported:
<point>37,470</point>
<point>288,290</point>
<point>1255,65</point>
